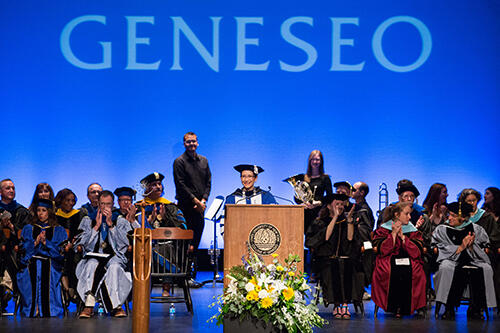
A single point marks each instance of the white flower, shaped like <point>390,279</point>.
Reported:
<point>271,267</point>
<point>249,287</point>
<point>264,279</point>
<point>263,294</point>
<point>232,288</point>
<point>304,286</point>
<point>279,285</point>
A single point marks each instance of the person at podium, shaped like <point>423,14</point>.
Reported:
<point>249,193</point>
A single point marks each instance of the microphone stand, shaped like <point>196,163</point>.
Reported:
<point>214,252</point>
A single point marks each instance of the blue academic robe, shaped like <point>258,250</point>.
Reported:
<point>39,278</point>
<point>240,197</point>
<point>255,197</point>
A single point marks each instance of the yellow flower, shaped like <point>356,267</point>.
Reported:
<point>266,302</point>
<point>274,255</point>
<point>279,268</point>
<point>253,281</point>
<point>288,293</point>
<point>291,273</point>
<point>258,288</point>
<point>252,296</point>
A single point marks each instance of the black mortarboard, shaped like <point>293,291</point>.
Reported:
<point>44,203</point>
<point>254,168</point>
<point>407,187</point>
<point>125,191</point>
<point>334,196</point>
<point>463,209</point>
<point>152,178</point>
<point>343,183</point>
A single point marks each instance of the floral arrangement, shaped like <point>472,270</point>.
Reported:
<point>275,293</point>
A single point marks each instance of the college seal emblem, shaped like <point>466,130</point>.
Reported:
<point>264,239</point>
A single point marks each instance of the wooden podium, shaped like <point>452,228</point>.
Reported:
<point>267,228</point>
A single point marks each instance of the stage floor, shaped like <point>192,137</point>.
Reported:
<point>182,321</point>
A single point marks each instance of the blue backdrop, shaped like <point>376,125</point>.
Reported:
<point>104,90</point>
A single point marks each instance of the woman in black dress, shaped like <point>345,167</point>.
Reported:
<point>319,183</point>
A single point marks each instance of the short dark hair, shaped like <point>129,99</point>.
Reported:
<point>4,180</point>
<point>106,193</point>
<point>189,133</point>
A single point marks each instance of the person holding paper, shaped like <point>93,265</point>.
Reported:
<point>399,281</point>
<point>39,276</point>
<point>101,273</point>
<point>462,259</point>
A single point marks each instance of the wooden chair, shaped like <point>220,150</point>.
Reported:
<point>170,262</point>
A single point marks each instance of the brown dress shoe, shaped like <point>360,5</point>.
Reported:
<point>86,313</point>
<point>119,313</point>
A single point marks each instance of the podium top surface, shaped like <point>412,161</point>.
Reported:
<point>269,206</point>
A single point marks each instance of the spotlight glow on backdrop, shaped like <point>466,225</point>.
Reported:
<point>104,90</point>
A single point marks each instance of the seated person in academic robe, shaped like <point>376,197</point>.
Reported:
<point>434,214</point>
<point>41,262</point>
<point>333,240</point>
<point>398,281</point>
<point>18,216</point>
<point>8,266</point>
<point>486,220</point>
<point>407,192</point>
<point>91,207</point>
<point>126,207</point>
<point>249,193</point>
<point>480,216</point>
<point>159,212</point>
<point>101,273</point>
<point>462,260</point>
<point>69,219</point>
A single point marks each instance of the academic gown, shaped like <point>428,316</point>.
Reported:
<point>70,221</point>
<point>447,239</point>
<point>492,228</point>
<point>334,260</point>
<point>21,216</point>
<point>173,215</point>
<point>173,218</point>
<point>364,222</point>
<point>255,197</point>
<point>39,278</point>
<point>398,286</point>
<point>106,278</point>
<point>242,197</point>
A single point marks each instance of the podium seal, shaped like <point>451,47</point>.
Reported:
<point>264,239</point>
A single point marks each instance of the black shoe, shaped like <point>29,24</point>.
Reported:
<point>194,284</point>
<point>449,314</point>
<point>421,313</point>
<point>474,313</point>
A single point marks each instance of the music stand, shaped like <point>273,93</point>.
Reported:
<point>214,250</point>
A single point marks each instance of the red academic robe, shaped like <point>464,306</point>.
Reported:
<point>382,272</point>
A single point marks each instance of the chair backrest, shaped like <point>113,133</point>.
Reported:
<point>170,251</point>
